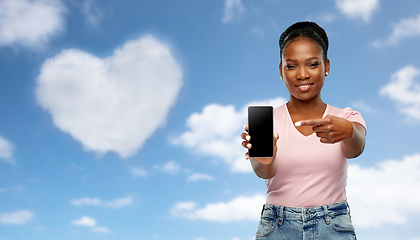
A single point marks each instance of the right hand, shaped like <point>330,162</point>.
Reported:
<point>245,136</point>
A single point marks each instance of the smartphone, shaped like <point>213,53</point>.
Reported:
<point>260,128</point>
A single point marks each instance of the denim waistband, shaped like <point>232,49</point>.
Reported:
<point>305,214</point>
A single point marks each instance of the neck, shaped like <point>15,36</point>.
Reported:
<point>306,107</point>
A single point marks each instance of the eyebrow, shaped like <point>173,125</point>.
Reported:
<point>309,59</point>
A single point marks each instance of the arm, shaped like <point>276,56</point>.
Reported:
<point>353,147</point>
<point>265,168</point>
<point>332,129</point>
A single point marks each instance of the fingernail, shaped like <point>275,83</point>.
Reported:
<point>248,145</point>
<point>247,138</point>
<point>298,124</point>
<point>277,136</point>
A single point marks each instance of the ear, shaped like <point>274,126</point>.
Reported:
<point>327,66</point>
<point>281,71</point>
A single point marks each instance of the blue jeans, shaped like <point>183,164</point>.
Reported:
<point>325,222</point>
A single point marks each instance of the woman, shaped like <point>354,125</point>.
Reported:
<point>306,178</point>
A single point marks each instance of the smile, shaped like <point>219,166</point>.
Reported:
<point>304,87</point>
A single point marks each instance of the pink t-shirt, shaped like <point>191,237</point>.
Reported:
<point>309,173</point>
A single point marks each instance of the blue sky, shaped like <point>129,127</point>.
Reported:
<point>121,119</point>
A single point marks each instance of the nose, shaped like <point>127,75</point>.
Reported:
<point>302,74</point>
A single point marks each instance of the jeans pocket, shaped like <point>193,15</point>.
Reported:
<point>342,223</point>
<point>266,226</point>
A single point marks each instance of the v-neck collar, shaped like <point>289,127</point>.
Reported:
<point>293,124</point>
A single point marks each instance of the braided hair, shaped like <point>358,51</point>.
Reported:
<point>305,29</point>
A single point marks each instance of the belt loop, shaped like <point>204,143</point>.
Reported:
<point>348,207</point>
<point>262,210</point>
<point>327,216</point>
<point>281,215</point>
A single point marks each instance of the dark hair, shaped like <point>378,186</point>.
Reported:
<point>305,29</point>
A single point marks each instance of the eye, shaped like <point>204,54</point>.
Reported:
<point>314,65</point>
<point>288,66</point>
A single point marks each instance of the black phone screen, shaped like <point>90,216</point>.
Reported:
<point>260,128</point>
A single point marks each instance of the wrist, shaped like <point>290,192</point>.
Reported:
<point>351,131</point>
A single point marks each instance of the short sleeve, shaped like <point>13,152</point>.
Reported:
<point>353,116</point>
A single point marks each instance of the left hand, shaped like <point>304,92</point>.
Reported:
<point>330,129</point>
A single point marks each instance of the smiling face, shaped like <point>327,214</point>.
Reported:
<point>303,69</point>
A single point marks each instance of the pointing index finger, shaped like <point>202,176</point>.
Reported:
<point>312,122</point>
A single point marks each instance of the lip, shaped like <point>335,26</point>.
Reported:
<point>304,87</point>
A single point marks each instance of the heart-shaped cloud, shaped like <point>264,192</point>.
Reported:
<point>114,103</point>
<point>223,139</point>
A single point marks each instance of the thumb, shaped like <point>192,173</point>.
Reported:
<point>276,137</point>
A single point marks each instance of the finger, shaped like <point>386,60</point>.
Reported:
<point>246,127</point>
<point>322,129</point>
<point>276,137</point>
<point>247,156</point>
<point>326,140</point>
<point>323,135</point>
<point>312,122</point>
<point>245,136</point>
<point>246,145</point>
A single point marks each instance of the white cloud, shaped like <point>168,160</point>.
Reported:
<point>30,23</point>
<point>120,202</point>
<point>170,167</point>
<point>357,8</point>
<point>238,209</point>
<point>6,151</point>
<point>327,17</point>
<point>222,139</point>
<point>90,222</point>
<point>101,230</point>
<point>74,166</point>
<point>18,217</point>
<point>233,10</point>
<point>115,103</point>
<point>15,189</point>
<point>85,221</point>
<point>323,17</point>
<point>182,207</point>
<point>92,13</point>
<point>406,28</point>
<point>391,185</point>
<point>117,203</point>
<point>361,106</point>
<point>405,90</point>
<point>86,201</point>
<point>138,172</point>
<point>199,176</point>
<point>258,31</point>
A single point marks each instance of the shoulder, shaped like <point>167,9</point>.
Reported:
<point>344,113</point>
<point>347,113</point>
<point>280,110</point>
